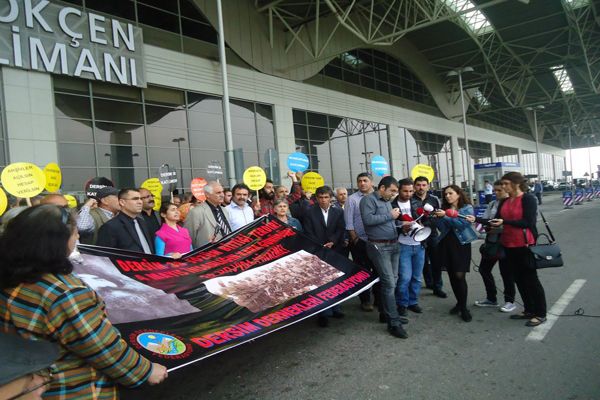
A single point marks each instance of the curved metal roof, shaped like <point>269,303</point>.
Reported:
<point>525,53</point>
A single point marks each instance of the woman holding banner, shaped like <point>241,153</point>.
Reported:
<point>171,239</point>
<point>282,210</point>
<point>41,299</point>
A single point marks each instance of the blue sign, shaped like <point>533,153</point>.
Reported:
<point>380,166</point>
<point>479,211</point>
<point>297,162</point>
<point>567,194</point>
<point>497,165</point>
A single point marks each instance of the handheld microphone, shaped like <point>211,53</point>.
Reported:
<point>454,214</point>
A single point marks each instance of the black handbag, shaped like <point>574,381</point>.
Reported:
<point>545,255</point>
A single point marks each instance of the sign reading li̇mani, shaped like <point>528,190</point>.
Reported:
<point>60,39</point>
<point>380,166</point>
<point>297,162</point>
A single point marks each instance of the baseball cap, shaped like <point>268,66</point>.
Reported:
<point>106,191</point>
<point>20,357</point>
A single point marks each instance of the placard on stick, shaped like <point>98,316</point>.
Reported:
<point>155,187</point>
<point>23,179</point>
<point>3,202</point>
<point>311,181</point>
<point>197,187</point>
<point>53,177</point>
<point>422,170</point>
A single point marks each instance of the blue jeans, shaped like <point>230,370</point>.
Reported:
<point>412,259</point>
<point>384,257</point>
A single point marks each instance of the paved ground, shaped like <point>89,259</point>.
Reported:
<point>444,358</point>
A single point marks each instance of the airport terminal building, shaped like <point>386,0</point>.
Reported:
<point>118,88</point>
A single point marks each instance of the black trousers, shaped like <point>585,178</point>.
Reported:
<point>485,269</point>
<point>360,257</point>
<point>532,292</point>
<point>432,270</point>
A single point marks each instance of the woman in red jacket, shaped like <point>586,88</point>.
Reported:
<point>518,215</point>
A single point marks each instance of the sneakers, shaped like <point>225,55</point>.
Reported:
<point>508,307</point>
<point>486,303</point>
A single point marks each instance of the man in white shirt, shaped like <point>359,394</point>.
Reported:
<point>240,213</point>
<point>488,191</point>
<point>412,253</point>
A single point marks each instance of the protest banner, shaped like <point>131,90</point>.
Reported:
<point>53,177</point>
<point>22,179</point>
<point>261,278</point>
<point>71,200</point>
<point>214,171</point>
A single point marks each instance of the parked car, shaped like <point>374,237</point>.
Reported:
<point>562,186</point>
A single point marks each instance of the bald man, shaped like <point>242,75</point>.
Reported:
<point>56,199</point>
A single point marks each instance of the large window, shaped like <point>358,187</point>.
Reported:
<point>126,134</point>
<point>479,153</point>
<point>379,71</point>
<point>174,24</point>
<point>339,148</point>
<point>431,149</point>
<point>507,154</point>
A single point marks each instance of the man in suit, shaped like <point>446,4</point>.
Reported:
<point>209,221</point>
<point>326,225</point>
<point>127,231</point>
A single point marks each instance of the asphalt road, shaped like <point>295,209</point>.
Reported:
<point>444,358</point>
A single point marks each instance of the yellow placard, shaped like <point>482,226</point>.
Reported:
<point>72,201</point>
<point>53,177</point>
<point>311,181</point>
<point>156,188</point>
<point>23,179</point>
<point>3,202</point>
<point>255,178</point>
<point>422,170</point>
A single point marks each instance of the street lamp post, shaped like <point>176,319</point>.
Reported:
<point>571,156</point>
<point>537,139</point>
<point>458,72</point>
<point>178,141</point>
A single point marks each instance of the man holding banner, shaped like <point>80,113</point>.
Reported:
<point>383,248</point>
<point>209,221</point>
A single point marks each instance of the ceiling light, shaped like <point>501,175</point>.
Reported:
<point>563,79</point>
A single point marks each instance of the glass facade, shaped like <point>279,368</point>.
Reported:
<point>431,149</point>
<point>379,71</point>
<point>506,154</point>
<point>174,24</point>
<point>339,148</point>
<point>548,165</point>
<point>480,153</point>
<point>126,134</point>
<point>3,146</point>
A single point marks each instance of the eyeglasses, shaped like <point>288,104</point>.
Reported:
<point>45,373</point>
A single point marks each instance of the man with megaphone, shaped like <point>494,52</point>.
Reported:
<point>412,253</point>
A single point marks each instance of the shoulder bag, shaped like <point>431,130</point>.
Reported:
<point>545,255</point>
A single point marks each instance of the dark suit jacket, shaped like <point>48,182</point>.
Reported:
<point>314,226</point>
<point>120,233</point>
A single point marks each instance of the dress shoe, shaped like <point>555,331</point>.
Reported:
<point>338,314</point>
<point>440,293</point>
<point>466,315</point>
<point>366,307</point>
<point>416,309</point>
<point>398,331</point>
<point>454,310</point>
<point>402,311</point>
<point>322,321</point>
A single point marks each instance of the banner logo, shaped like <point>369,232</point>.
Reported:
<point>161,343</point>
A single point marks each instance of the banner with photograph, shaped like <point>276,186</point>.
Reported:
<point>259,279</point>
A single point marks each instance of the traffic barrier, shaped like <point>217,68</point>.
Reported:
<point>589,194</point>
<point>579,195</point>
<point>568,199</point>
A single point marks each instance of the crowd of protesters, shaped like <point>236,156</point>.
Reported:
<point>41,298</point>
